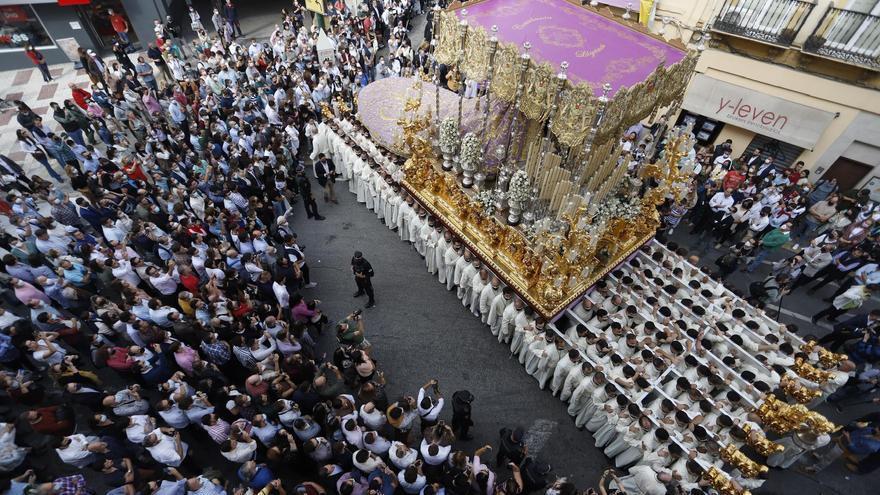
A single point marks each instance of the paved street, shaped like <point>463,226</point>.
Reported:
<point>420,331</point>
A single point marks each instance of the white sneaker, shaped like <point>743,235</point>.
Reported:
<point>310,285</point>
<point>796,247</point>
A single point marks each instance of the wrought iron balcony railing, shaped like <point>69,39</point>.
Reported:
<point>846,35</point>
<point>769,21</point>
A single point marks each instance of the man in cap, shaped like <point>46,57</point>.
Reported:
<point>363,273</point>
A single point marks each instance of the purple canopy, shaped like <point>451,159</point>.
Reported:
<point>598,50</point>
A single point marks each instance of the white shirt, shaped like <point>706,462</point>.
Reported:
<point>165,452</point>
<point>432,413</point>
<point>164,283</point>
<point>720,202</point>
<point>175,417</point>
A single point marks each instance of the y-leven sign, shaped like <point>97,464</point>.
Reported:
<point>763,114</point>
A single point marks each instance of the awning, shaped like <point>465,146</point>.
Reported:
<point>763,114</point>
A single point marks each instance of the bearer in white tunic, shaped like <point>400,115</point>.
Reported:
<point>584,310</point>
<point>382,191</point>
<point>415,229</point>
<point>563,367</point>
<point>547,366</point>
<point>404,216</point>
<point>367,177</point>
<point>644,481</point>
<point>511,310</point>
<point>598,398</point>
<point>431,238</point>
<point>450,259</point>
<point>426,228</point>
<point>392,203</point>
<point>461,263</point>
<point>573,379</point>
<point>496,310</point>
<point>355,175</point>
<point>535,353</point>
<point>443,243</point>
<point>357,181</point>
<point>478,282</point>
<point>582,391</point>
<point>521,324</point>
<point>321,141</point>
<point>465,287</point>
<point>487,296</point>
<point>533,331</point>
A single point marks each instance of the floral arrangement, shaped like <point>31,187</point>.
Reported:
<point>470,151</point>
<point>614,207</point>
<point>486,200</point>
<point>530,231</point>
<point>519,190</point>
<point>448,134</point>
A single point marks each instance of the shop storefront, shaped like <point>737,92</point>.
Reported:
<point>779,127</point>
<point>833,126</point>
<point>58,27</point>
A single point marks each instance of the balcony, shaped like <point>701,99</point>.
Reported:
<point>852,37</point>
<point>776,22</point>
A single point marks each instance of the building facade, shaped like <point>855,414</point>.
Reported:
<point>58,27</point>
<point>797,79</point>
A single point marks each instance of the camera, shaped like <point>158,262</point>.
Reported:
<point>357,313</point>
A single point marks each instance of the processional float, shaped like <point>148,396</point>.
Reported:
<point>530,172</point>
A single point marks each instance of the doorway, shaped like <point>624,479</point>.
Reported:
<point>95,19</point>
<point>849,173</point>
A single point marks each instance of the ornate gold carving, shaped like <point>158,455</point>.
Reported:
<point>448,40</point>
<point>748,467</point>
<point>476,54</point>
<point>537,94</point>
<point>575,115</point>
<point>506,76</point>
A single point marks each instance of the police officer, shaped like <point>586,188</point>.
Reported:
<point>363,273</point>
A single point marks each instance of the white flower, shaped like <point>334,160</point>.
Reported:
<point>449,134</point>
<point>519,190</point>
<point>470,152</point>
<point>486,199</point>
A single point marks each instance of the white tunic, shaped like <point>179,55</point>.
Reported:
<point>431,237</point>
<point>439,258</point>
<point>464,284</point>
<point>450,258</point>
<point>487,296</point>
<point>547,365</point>
<point>560,373</point>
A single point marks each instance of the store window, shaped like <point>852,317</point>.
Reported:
<point>20,26</point>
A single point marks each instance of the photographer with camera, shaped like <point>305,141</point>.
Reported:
<point>769,291</point>
<point>350,331</point>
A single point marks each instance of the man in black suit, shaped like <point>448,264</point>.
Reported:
<point>852,328</point>
<point>325,172</point>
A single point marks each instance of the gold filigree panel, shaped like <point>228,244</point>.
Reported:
<point>506,76</point>
<point>577,110</point>
<point>537,95</point>
<point>476,54</point>
<point>448,39</point>
<point>614,114</point>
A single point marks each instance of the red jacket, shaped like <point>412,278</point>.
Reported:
<point>79,96</point>
<point>119,23</point>
<point>35,56</point>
